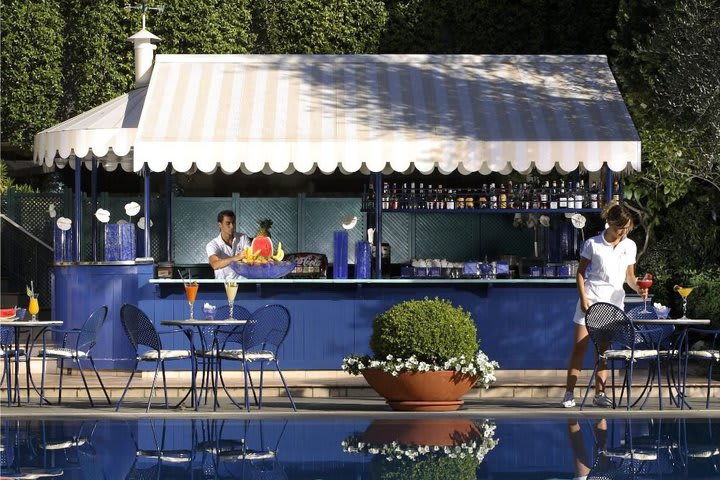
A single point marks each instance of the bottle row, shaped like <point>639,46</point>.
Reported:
<point>555,195</point>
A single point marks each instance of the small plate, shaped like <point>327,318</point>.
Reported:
<point>9,319</point>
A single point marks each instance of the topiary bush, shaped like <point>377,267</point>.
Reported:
<point>434,331</point>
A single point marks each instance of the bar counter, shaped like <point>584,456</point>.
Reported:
<point>523,323</point>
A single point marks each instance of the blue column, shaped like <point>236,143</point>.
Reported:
<point>377,180</point>
<point>78,210</point>
<point>146,209</point>
<point>168,212</point>
<point>94,200</point>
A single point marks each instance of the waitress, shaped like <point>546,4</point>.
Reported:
<point>607,262</point>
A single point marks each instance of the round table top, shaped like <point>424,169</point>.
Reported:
<point>673,321</point>
<point>202,323</point>
<point>30,323</point>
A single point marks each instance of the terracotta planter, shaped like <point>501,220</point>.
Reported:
<point>421,391</point>
<point>441,432</point>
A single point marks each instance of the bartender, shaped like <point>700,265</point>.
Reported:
<point>227,247</point>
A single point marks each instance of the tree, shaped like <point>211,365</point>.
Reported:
<point>668,67</point>
<point>321,27</point>
<point>31,64</point>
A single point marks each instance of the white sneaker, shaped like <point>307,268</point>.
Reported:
<point>568,401</point>
<point>602,400</point>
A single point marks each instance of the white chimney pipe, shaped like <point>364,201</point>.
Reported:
<point>143,41</point>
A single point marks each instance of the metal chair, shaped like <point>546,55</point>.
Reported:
<point>213,337</point>
<point>10,354</point>
<point>86,337</point>
<point>706,349</point>
<point>617,339</point>
<point>142,333</point>
<point>261,337</point>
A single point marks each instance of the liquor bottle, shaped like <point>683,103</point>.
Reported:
<point>483,197</point>
<point>544,191</point>
<point>562,197</point>
<point>616,191</point>
<point>394,200</point>
<point>420,197</point>
<point>594,200</point>
<point>502,197</point>
<point>386,196</point>
<point>412,200</point>
<point>580,201</point>
<point>450,200</point>
<point>554,196</point>
<point>460,200</point>
<point>470,199</point>
<point>493,197</point>
<point>525,197</point>
<point>371,198</point>
<point>404,200</point>
<point>569,195</point>
<point>428,199</point>
<point>439,198</point>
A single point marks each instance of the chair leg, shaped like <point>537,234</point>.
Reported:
<point>707,399</point>
<point>82,375</point>
<point>587,390</point>
<point>62,371</point>
<point>152,389</point>
<point>132,374</point>
<point>262,372</point>
<point>7,374</point>
<point>287,390</point>
<point>222,382</point>
<point>246,374</point>
<point>92,362</point>
<point>629,384</point>
<point>162,365</point>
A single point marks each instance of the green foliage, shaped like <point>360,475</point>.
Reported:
<point>431,468</point>
<point>203,26</point>
<point>31,68</point>
<point>432,330</point>
<point>98,61</point>
<point>704,302</point>
<point>320,27</point>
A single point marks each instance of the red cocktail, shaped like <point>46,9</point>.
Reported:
<point>645,283</point>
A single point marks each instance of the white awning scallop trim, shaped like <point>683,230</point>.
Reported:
<point>107,132</point>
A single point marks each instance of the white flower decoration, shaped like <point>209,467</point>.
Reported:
<point>51,210</point>
<point>102,215</point>
<point>141,223</point>
<point>63,223</point>
<point>544,220</point>
<point>132,209</point>
<point>578,220</point>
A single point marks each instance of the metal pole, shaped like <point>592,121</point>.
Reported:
<point>377,180</point>
<point>146,209</point>
<point>168,212</point>
<point>94,201</point>
<point>78,210</point>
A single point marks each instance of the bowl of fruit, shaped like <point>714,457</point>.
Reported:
<point>259,261</point>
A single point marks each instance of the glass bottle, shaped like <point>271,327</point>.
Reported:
<point>386,196</point>
<point>594,200</point>
<point>394,200</point>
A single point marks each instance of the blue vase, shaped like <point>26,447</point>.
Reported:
<point>340,251</point>
<point>63,245</point>
<point>119,242</point>
<point>363,262</point>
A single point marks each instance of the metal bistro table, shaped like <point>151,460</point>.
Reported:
<point>188,326</point>
<point>683,324</point>
<point>30,325</point>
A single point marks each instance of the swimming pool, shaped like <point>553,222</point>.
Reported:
<point>388,448</point>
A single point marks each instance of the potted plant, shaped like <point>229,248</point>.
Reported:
<point>450,448</point>
<point>425,356</point>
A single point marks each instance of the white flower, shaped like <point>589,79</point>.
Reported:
<point>578,220</point>
<point>64,223</point>
<point>132,209</point>
<point>102,215</point>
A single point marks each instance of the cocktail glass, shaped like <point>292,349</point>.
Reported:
<point>684,293</point>
<point>231,291</point>
<point>34,307</point>
<point>191,289</point>
<point>644,283</point>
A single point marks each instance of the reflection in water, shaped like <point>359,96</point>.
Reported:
<point>424,448</point>
<point>441,447</point>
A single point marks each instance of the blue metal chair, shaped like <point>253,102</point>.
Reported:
<point>261,339</point>
<point>85,339</point>
<point>617,339</point>
<point>10,354</point>
<point>706,349</point>
<point>142,333</point>
<point>212,338</point>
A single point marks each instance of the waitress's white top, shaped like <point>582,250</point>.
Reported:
<point>605,275</point>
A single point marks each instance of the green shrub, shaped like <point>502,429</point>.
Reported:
<point>704,302</point>
<point>432,330</point>
<point>438,467</point>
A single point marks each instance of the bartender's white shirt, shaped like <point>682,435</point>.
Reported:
<point>605,275</point>
<point>218,247</point>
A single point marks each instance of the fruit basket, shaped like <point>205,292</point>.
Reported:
<point>267,270</point>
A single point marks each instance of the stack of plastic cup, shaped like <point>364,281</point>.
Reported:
<point>340,254</point>
<point>363,263</point>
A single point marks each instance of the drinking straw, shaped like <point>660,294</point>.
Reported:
<point>181,275</point>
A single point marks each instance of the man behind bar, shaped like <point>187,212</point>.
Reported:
<point>226,247</point>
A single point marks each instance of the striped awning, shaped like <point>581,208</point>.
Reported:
<point>472,113</point>
<point>106,132</point>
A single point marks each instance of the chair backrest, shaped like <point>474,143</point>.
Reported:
<point>660,334</point>
<point>7,336</point>
<point>88,333</point>
<point>607,325</point>
<point>239,313</point>
<point>267,328</point>
<point>139,328</point>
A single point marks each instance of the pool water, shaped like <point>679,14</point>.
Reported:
<point>387,448</point>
